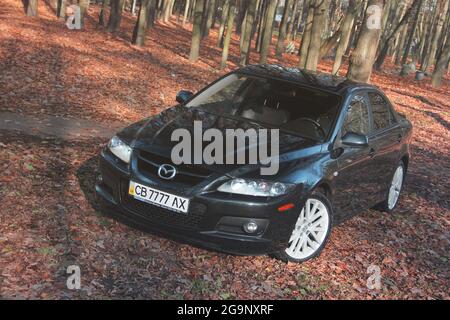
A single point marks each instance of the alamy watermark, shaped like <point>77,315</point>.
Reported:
<point>231,146</point>
<point>74,279</point>
<point>374,280</point>
<point>374,13</point>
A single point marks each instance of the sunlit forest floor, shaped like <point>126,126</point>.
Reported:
<point>48,217</point>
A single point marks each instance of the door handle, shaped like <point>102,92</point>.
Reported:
<point>372,152</point>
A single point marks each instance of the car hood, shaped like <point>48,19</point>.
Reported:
<point>154,134</point>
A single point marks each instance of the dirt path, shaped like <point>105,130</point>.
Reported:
<point>59,127</point>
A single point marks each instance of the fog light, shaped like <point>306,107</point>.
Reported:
<point>250,227</point>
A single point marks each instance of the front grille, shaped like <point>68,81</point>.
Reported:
<point>158,215</point>
<point>187,174</point>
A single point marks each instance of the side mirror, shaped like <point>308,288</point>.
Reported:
<point>355,140</point>
<point>183,96</point>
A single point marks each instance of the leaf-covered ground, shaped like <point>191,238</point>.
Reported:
<point>48,218</point>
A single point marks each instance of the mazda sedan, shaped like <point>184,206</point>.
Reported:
<point>342,148</point>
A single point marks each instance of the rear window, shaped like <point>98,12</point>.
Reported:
<point>381,112</point>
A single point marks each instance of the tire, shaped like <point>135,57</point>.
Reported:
<point>304,232</point>
<point>386,205</point>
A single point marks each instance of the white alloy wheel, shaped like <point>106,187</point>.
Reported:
<point>310,231</point>
<point>396,186</point>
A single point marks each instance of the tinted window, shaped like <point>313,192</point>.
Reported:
<point>277,103</point>
<point>357,118</point>
<point>382,116</point>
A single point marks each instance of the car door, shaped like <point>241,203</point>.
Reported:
<point>352,183</point>
<point>384,141</point>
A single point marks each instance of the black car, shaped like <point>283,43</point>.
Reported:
<point>342,149</point>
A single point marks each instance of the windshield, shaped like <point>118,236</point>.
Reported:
<point>276,103</point>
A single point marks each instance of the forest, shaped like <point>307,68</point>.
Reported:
<point>65,89</point>
<point>411,32</point>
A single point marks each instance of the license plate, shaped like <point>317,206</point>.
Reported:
<point>158,198</point>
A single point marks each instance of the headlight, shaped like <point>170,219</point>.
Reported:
<point>254,187</point>
<point>120,149</point>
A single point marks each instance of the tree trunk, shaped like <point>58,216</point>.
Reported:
<point>167,10</point>
<point>140,28</point>
<point>306,38</point>
<point>61,9</point>
<point>115,15</point>
<point>262,21</point>
<point>401,45</point>
<point>247,32</point>
<point>209,18</point>
<point>268,26</point>
<point>412,32</point>
<point>101,15</point>
<point>196,31</point>
<point>291,22</point>
<point>347,26</point>
<point>299,20</point>
<point>223,22</point>
<point>186,11</point>
<point>32,8</point>
<point>84,4</point>
<point>242,9</point>
<point>152,8</point>
<point>402,28</point>
<point>229,31</point>
<point>424,31</point>
<point>330,42</point>
<point>283,28</point>
<point>320,15</point>
<point>441,65</point>
<point>443,8</point>
<point>363,57</point>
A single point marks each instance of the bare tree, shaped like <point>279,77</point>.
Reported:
<point>400,28</point>
<point>152,12</point>
<point>186,11</point>
<point>268,25</point>
<point>306,38</point>
<point>61,8</point>
<point>441,65</point>
<point>209,18</point>
<point>196,30</point>
<point>32,8</point>
<point>167,10</point>
<point>347,25</point>
<point>363,57</point>
<point>415,22</point>
<point>283,28</point>
<point>223,22</point>
<point>115,15</point>
<point>318,25</point>
<point>246,35</point>
<point>229,31</point>
<point>443,10</point>
<point>140,27</point>
<point>84,5</point>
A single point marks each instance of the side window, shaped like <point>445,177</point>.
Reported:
<point>382,115</point>
<point>357,118</point>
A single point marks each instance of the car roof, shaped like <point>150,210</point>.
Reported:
<point>318,80</point>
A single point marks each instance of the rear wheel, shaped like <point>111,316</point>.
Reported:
<point>395,188</point>
<point>311,230</point>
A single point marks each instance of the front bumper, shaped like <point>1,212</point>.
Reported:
<point>214,219</point>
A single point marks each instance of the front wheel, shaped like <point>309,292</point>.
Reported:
<point>311,230</point>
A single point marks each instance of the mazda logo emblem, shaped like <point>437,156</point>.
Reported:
<point>167,171</point>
